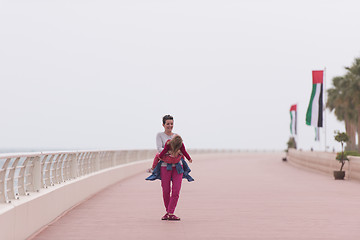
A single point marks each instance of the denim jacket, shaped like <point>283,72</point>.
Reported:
<point>180,169</point>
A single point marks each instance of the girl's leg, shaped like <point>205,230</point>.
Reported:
<point>165,184</point>
<point>176,186</point>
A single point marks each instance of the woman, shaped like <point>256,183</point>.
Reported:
<point>163,137</point>
<point>169,172</point>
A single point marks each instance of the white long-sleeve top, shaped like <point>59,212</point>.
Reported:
<point>161,139</point>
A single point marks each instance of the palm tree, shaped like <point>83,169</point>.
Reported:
<point>354,76</point>
<point>339,99</point>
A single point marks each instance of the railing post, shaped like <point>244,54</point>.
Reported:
<point>114,155</point>
<point>73,166</point>
<point>3,189</point>
<point>36,174</point>
<point>97,162</point>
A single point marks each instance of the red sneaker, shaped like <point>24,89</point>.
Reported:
<point>172,217</point>
<point>165,217</point>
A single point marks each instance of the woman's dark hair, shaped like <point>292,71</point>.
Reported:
<point>167,117</point>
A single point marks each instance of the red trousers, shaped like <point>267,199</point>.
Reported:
<point>170,196</point>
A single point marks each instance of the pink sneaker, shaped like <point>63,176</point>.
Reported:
<point>172,217</point>
<point>165,217</point>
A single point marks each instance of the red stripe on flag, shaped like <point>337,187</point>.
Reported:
<point>293,108</point>
<point>317,76</point>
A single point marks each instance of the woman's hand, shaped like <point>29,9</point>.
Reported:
<point>190,160</point>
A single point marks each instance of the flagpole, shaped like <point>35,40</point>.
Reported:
<point>325,106</point>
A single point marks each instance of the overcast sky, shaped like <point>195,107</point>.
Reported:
<point>100,74</point>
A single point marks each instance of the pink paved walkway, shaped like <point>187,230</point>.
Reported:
<point>245,196</point>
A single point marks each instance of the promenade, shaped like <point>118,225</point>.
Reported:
<point>234,196</point>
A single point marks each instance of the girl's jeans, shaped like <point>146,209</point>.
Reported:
<point>167,176</point>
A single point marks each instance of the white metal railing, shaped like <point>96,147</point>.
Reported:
<point>21,174</point>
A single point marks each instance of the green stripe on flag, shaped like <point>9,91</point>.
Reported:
<point>309,110</point>
<point>291,122</point>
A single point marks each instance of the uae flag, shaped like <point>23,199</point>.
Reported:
<point>314,114</point>
<point>293,120</point>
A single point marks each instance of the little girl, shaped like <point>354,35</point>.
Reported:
<point>171,152</point>
<point>171,170</point>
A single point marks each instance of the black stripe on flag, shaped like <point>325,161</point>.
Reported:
<point>295,122</point>
<point>320,119</point>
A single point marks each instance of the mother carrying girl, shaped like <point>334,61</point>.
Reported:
<point>169,166</point>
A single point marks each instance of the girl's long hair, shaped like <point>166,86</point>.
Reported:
<point>175,144</point>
